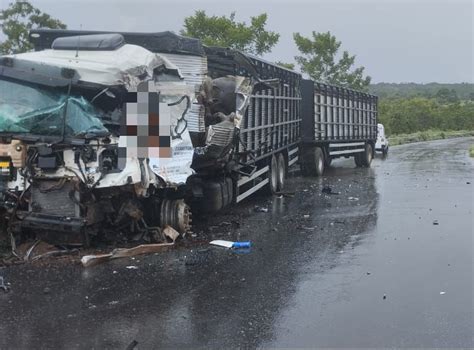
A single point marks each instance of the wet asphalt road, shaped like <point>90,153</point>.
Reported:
<point>316,275</point>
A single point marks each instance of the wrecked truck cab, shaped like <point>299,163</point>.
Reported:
<point>93,142</point>
<point>225,100</point>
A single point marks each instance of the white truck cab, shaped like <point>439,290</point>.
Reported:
<point>382,142</point>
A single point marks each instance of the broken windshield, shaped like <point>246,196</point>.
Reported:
<point>38,111</point>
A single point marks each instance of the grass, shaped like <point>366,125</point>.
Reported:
<point>471,151</point>
<point>428,135</point>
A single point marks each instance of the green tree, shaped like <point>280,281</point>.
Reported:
<point>227,32</point>
<point>445,95</point>
<point>319,59</point>
<point>17,20</point>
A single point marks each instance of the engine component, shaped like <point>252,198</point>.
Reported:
<point>108,160</point>
<point>129,209</point>
<point>5,168</point>
<point>175,213</point>
<point>223,95</point>
<point>47,162</point>
<point>220,134</point>
<point>16,150</point>
<point>212,196</point>
<point>55,198</point>
<point>88,154</point>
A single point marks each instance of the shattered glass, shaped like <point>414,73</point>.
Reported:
<point>26,109</point>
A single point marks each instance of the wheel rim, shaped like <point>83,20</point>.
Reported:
<point>177,214</point>
<point>320,165</point>
<point>274,175</point>
<point>281,172</point>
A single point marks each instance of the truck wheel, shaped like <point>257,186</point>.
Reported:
<point>281,171</point>
<point>327,161</point>
<point>366,157</point>
<point>319,159</point>
<point>385,151</point>
<point>273,176</point>
<point>357,160</point>
<point>313,162</point>
<point>177,214</point>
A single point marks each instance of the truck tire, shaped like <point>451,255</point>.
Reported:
<point>357,160</point>
<point>313,162</point>
<point>327,161</point>
<point>177,214</point>
<point>385,151</point>
<point>281,160</point>
<point>272,186</point>
<point>366,157</point>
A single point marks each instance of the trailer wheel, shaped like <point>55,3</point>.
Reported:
<point>327,161</point>
<point>366,157</point>
<point>281,171</point>
<point>313,162</point>
<point>273,176</point>
<point>357,159</point>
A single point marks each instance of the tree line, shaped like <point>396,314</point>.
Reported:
<point>409,107</point>
<point>408,115</point>
<point>445,93</point>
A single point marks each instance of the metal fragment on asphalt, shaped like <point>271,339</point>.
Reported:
<point>3,285</point>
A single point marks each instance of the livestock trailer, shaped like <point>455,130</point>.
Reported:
<point>336,122</point>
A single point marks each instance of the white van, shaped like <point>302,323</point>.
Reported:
<point>382,142</point>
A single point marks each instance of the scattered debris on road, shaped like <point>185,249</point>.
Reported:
<point>258,209</point>
<point>3,286</point>
<point>90,260</point>
<point>435,222</point>
<point>42,250</point>
<point>30,250</point>
<point>230,244</point>
<point>168,232</point>
<point>328,190</point>
<point>442,293</point>
<point>197,257</point>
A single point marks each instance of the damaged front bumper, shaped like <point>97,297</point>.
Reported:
<point>49,222</point>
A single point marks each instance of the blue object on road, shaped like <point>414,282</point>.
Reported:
<point>230,244</point>
<point>242,244</point>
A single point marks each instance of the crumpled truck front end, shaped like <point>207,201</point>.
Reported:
<point>86,156</point>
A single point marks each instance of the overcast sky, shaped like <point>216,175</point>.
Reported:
<point>397,41</point>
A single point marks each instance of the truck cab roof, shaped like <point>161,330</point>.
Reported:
<point>106,61</point>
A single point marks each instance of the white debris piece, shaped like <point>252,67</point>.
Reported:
<point>222,243</point>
